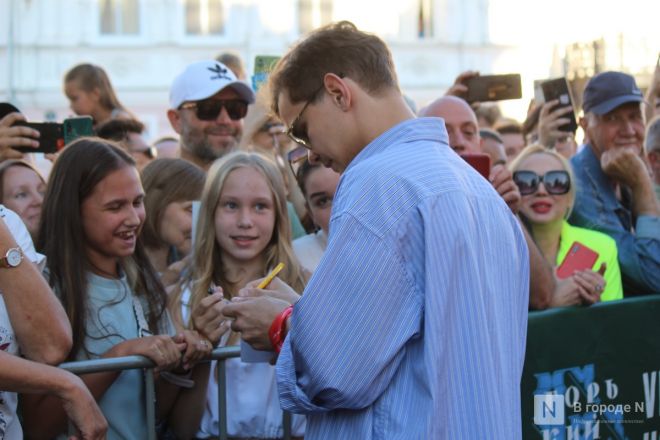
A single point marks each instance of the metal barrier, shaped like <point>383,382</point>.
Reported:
<point>135,362</point>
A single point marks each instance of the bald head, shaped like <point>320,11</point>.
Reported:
<point>460,120</point>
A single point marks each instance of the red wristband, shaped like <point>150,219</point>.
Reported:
<point>277,332</point>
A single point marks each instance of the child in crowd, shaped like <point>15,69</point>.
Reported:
<point>548,193</point>
<point>242,233</point>
<point>93,213</point>
<point>90,93</point>
<point>170,186</point>
<point>22,190</point>
<point>318,185</point>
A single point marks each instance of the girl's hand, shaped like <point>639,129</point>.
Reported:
<point>276,289</point>
<point>208,319</point>
<point>197,347</point>
<point>163,350</point>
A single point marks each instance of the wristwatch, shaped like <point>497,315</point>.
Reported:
<point>12,258</point>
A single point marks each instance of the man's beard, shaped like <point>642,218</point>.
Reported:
<point>198,144</point>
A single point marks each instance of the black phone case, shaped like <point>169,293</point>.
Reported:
<point>558,89</point>
<point>51,138</point>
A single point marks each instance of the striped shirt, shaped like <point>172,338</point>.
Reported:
<point>414,324</point>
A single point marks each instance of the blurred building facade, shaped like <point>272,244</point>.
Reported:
<point>143,44</point>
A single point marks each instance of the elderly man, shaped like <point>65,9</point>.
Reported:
<point>413,325</point>
<point>614,190</point>
<point>464,137</point>
<point>207,107</point>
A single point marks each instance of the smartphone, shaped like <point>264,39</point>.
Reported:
<point>51,137</point>
<point>77,127</point>
<point>494,88</point>
<point>579,257</point>
<point>263,65</point>
<point>478,161</point>
<point>558,89</point>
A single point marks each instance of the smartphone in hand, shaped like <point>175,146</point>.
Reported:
<point>558,89</point>
<point>478,161</point>
<point>493,88</point>
<point>579,257</point>
<point>51,137</point>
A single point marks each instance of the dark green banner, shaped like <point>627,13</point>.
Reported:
<point>593,372</point>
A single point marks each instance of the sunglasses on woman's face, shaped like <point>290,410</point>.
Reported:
<point>555,182</point>
<point>209,109</point>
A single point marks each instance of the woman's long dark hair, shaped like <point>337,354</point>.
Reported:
<point>80,167</point>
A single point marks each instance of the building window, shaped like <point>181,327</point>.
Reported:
<point>120,17</point>
<point>204,17</point>
<point>425,19</point>
<point>313,14</point>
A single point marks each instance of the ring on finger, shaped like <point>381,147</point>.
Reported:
<point>599,287</point>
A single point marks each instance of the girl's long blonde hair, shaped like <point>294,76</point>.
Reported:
<point>207,266</point>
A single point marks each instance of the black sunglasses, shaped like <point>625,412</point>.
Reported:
<point>555,182</point>
<point>209,109</point>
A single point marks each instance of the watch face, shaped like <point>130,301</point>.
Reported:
<point>14,257</point>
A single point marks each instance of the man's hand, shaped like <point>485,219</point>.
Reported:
<point>277,289</point>
<point>624,166</point>
<point>18,136</point>
<point>82,410</point>
<point>253,317</point>
<point>502,181</point>
<point>459,88</point>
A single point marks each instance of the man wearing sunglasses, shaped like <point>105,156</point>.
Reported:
<point>413,325</point>
<point>207,107</point>
<point>464,137</point>
<point>614,190</point>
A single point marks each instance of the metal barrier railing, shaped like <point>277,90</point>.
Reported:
<point>135,362</point>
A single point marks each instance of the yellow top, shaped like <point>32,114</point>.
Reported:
<point>605,246</point>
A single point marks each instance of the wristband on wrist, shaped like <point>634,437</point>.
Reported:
<point>277,331</point>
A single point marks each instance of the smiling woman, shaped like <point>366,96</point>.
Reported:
<point>93,214</point>
<point>243,231</point>
<point>22,190</point>
<point>544,178</point>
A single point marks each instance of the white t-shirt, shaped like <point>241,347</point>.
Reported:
<point>10,427</point>
<point>310,248</point>
<point>253,406</point>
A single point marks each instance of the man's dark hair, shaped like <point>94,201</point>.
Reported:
<point>118,129</point>
<point>508,126</point>
<point>487,133</point>
<point>338,48</point>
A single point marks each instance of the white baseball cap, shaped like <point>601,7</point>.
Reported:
<point>204,79</point>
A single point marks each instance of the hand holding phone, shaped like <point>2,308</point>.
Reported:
<point>13,138</point>
<point>579,257</point>
<point>557,89</point>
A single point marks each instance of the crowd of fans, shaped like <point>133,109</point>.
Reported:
<point>127,271</point>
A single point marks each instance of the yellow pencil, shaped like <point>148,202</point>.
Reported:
<point>273,273</point>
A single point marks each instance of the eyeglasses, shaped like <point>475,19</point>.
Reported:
<point>209,109</point>
<point>292,133</point>
<point>555,182</point>
<point>295,158</point>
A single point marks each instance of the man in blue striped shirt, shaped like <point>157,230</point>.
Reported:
<point>414,323</point>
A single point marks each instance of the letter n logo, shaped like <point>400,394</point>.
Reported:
<point>549,409</point>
